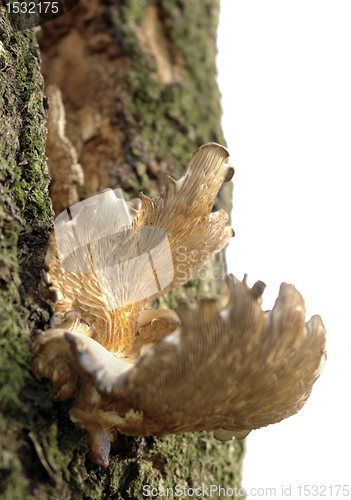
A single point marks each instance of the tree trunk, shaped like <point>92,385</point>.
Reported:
<point>135,81</point>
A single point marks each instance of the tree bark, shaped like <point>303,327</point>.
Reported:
<point>135,82</point>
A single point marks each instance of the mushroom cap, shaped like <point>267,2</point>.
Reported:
<point>192,235</point>
<point>235,370</point>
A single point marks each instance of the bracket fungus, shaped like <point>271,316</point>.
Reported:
<point>156,372</point>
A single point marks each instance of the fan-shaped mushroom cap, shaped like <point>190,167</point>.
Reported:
<point>182,213</point>
<point>237,370</point>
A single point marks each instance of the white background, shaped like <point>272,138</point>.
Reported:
<point>285,75</point>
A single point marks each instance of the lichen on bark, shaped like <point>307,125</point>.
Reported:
<point>130,122</point>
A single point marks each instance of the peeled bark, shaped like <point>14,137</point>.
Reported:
<point>135,82</point>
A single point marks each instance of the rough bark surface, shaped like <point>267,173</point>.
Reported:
<point>135,81</point>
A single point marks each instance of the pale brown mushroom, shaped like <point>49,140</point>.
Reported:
<point>196,369</point>
<point>184,213</point>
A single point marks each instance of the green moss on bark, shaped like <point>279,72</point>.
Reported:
<point>174,119</point>
<point>25,219</point>
<point>187,460</point>
<point>171,121</point>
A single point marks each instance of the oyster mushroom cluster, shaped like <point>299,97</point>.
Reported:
<point>156,372</point>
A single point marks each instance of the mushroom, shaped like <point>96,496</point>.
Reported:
<point>183,212</point>
<point>144,372</point>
